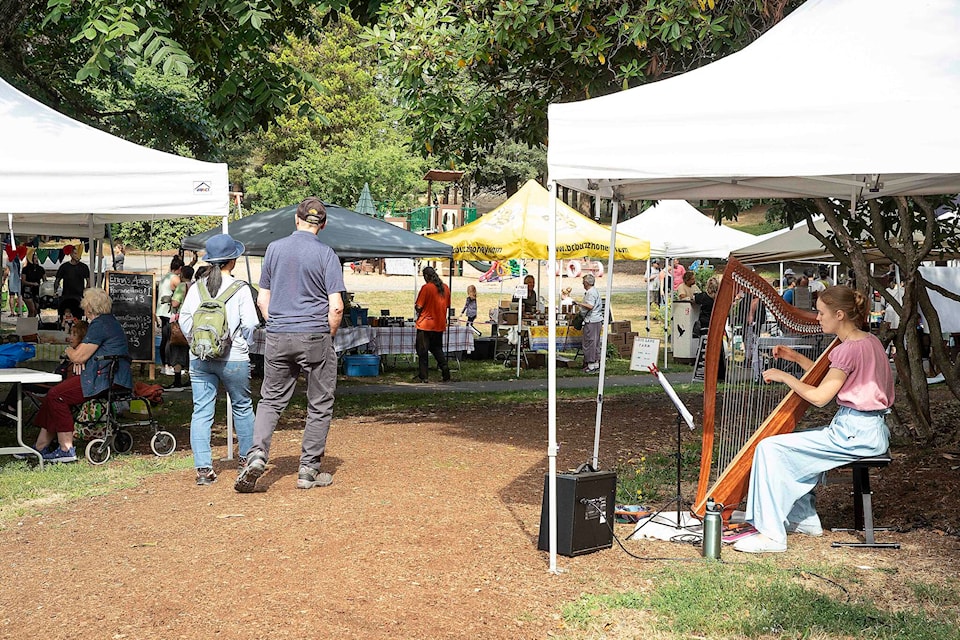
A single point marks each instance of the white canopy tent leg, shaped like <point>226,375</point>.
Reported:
<point>667,304</point>
<point>648,296</point>
<point>603,339</point>
<point>95,267</point>
<point>552,382</point>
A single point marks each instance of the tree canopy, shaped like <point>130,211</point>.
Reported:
<point>471,74</point>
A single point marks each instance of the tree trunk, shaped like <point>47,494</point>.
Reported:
<point>512,183</point>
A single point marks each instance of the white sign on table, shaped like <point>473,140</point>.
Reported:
<point>645,351</point>
<point>520,292</point>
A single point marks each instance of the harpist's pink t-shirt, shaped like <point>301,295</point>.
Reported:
<point>869,383</point>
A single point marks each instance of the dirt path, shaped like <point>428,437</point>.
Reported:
<point>429,531</point>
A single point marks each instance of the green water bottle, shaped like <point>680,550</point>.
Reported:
<point>712,529</point>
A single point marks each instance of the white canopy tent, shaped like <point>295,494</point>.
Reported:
<point>861,98</point>
<point>61,177</point>
<point>786,245</point>
<point>858,98</point>
<point>676,229</point>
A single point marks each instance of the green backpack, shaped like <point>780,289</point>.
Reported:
<point>210,337</point>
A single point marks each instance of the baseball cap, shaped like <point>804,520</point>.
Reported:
<point>312,210</point>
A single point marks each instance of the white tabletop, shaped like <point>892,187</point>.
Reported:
<point>23,376</point>
<point>28,376</point>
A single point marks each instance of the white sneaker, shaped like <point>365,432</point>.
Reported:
<point>812,530</point>
<point>759,544</point>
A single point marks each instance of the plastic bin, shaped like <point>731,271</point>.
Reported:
<point>361,366</point>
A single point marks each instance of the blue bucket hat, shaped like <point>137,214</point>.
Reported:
<point>222,248</point>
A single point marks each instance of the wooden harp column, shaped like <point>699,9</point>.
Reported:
<point>725,478</point>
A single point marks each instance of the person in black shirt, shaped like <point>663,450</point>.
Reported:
<point>701,327</point>
<point>31,278</point>
<point>530,301</point>
<point>75,277</point>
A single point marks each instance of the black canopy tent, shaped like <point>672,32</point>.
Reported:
<point>352,235</point>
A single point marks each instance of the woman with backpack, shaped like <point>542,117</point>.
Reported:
<point>218,317</point>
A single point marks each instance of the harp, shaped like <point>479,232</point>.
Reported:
<point>749,318</point>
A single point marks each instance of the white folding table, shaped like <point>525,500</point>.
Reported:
<point>20,377</point>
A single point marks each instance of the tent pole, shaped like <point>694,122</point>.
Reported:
<point>668,293</point>
<point>520,319</point>
<point>611,250</point>
<point>94,254</point>
<point>446,337</point>
<point>648,295</point>
<point>113,255</point>
<point>552,382</point>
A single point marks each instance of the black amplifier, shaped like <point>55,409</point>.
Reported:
<point>585,503</point>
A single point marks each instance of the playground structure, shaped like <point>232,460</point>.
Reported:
<point>499,271</point>
<point>496,271</point>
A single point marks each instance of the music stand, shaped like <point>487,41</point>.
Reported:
<point>683,415</point>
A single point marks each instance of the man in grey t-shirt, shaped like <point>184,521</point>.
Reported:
<point>301,283</point>
<point>592,323</point>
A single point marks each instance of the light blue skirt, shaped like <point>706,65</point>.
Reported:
<point>787,467</point>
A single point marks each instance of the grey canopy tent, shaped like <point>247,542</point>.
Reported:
<point>352,235</point>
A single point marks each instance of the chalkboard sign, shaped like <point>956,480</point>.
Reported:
<point>133,306</point>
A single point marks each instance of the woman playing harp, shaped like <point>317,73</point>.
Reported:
<point>787,467</point>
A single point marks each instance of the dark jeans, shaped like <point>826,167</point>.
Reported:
<point>286,355</point>
<point>431,342</point>
<point>164,339</point>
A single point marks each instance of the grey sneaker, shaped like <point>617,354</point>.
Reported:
<point>309,478</point>
<point>246,481</point>
<point>205,476</point>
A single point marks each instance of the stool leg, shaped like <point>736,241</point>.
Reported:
<point>866,507</point>
<point>863,513</point>
<point>861,486</point>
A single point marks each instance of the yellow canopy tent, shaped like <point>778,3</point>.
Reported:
<point>519,229</point>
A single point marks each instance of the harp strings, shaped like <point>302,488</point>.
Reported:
<point>745,401</point>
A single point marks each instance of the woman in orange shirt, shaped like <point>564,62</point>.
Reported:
<point>431,307</point>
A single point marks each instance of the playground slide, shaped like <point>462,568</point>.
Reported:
<point>480,265</point>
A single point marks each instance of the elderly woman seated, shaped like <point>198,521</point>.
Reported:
<point>105,337</point>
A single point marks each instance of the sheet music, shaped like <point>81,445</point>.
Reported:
<point>687,417</point>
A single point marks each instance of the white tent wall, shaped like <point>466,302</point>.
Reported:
<point>870,94</point>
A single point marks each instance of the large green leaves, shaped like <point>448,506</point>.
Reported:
<point>225,46</point>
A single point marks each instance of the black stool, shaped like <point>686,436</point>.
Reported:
<point>863,503</point>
